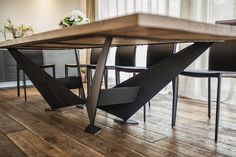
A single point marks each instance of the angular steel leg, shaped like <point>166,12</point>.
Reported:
<point>53,91</point>
<point>95,88</point>
<point>155,78</point>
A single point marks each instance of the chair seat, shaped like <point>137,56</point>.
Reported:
<point>75,65</point>
<point>130,68</point>
<point>42,66</point>
<point>208,73</point>
<point>82,65</point>
<point>91,66</point>
<point>47,65</point>
<point>110,67</point>
<point>71,65</point>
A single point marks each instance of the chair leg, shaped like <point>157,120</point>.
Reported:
<point>53,72</point>
<point>88,80</point>
<point>175,83</point>
<point>134,74</point>
<point>149,103</point>
<point>81,93</point>
<point>217,108</point>
<point>66,71</point>
<point>24,84</point>
<point>209,98</point>
<point>144,113</point>
<point>18,80</point>
<point>106,78</point>
<point>117,73</point>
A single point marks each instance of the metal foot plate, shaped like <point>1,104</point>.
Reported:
<point>92,129</point>
<point>129,122</point>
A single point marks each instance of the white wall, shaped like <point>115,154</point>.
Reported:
<point>43,15</point>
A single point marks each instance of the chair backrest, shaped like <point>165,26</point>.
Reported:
<point>222,56</point>
<point>158,52</point>
<point>125,56</point>
<point>36,56</point>
<point>95,53</point>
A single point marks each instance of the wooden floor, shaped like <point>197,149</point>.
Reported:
<point>27,130</point>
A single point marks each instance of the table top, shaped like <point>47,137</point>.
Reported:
<point>135,29</point>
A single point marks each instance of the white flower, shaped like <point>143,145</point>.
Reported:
<point>77,13</point>
<point>76,17</point>
<point>86,20</point>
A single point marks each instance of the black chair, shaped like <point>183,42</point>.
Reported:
<point>222,64</point>
<point>157,53</point>
<point>36,56</point>
<point>95,53</point>
<point>74,82</point>
<point>125,60</point>
<point>73,65</point>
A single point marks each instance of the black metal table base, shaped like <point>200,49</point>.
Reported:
<point>92,129</point>
<point>53,91</point>
<point>126,122</point>
<point>154,79</point>
<point>142,87</point>
<point>95,89</point>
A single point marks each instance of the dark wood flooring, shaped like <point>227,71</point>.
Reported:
<point>27,130</point>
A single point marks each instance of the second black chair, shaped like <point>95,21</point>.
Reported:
<point>36,56</point>
<point>125,60</point>
<point>95,53</point>
<point>222,63</point>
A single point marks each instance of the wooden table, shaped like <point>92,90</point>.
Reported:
<point>136,29</point>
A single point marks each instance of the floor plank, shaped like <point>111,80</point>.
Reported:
<point>63,141</point>
<point>8,149</point>
<point>33,146</point>
<point>73,124</point>
<point>70,120</point>
<point>64,131</point>
<point>7,124</point>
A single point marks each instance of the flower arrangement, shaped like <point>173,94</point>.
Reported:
<point>18,31</point>
<point>4,34</point>
<point>76,18</point>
